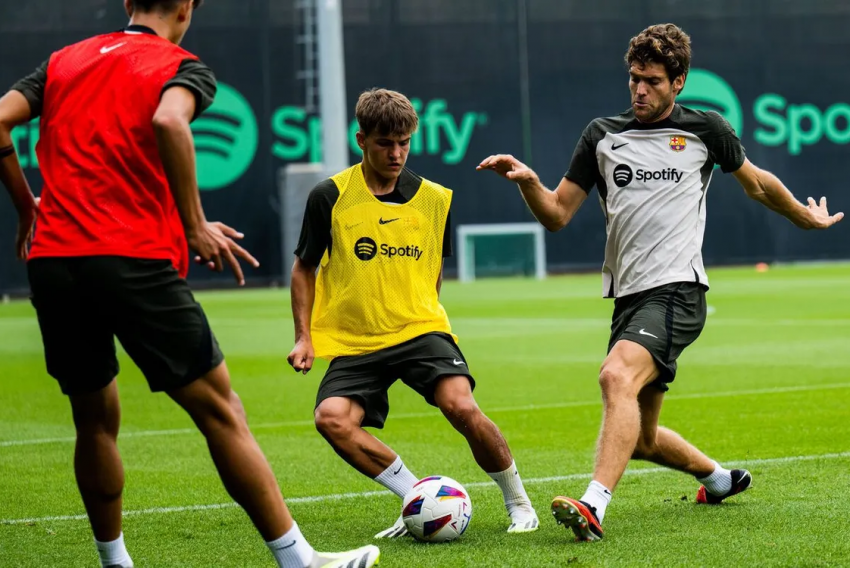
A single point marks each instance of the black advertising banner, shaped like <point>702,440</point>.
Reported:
<point>486,80</point>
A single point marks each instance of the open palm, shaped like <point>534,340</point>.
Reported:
<point>819,214</point>
<point>508,167</point>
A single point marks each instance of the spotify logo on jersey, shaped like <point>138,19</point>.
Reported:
<point>365,248</point>
<point>225,139</point>
<point>623,175</point>
<point>707,91</point>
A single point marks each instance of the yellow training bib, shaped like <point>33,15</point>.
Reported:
<point>377,287</point>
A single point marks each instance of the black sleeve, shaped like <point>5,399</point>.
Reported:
<point>447,237</point>
<point>724,146</point>
<point>32,88</point>
<point>584,169</point>
<point>199,79</point>
<point>315,236</point>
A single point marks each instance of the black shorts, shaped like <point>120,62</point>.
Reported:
<point>420,363</point>
<point>82,303</point>
<point>664,320</point>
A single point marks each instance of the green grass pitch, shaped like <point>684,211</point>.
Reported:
<point>767,386</point>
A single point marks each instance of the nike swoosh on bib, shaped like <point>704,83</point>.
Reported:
<point>112,48</point>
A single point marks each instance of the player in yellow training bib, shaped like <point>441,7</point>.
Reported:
<point>378,233</point>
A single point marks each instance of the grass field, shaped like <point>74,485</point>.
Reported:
<point>767,386</point>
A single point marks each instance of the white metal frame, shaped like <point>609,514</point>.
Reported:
<point>466,245</point>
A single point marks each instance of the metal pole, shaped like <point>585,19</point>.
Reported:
<point>524,79</point>
<point>294,184</point>
<point>464,273</point>
<point>540,268</point>
<point>332,103</point>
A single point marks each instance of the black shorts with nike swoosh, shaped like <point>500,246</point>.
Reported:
<point>420,363</point>
<point>665,320</point>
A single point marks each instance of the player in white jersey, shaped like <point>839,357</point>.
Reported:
<point>652,165</point>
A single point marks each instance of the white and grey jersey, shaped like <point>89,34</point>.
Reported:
<point>652,181</point>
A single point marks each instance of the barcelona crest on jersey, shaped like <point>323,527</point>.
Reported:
<point>678,143</point>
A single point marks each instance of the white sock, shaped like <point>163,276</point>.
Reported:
<point>516,499</point>
<point>719,482</point>
<point>397,478</point>
<point>114,553</point>
<point>292,550</point>
<point>597,496</point>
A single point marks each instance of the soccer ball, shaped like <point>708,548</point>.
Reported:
<point>437,509</point>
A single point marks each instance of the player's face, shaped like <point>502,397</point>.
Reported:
<point>386,153</point>
<point>653,94</point>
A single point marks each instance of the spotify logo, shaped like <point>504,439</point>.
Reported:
<point>365,248</point>
<point>707,91</point>
<point>623,175</point>
<point>225,139</point>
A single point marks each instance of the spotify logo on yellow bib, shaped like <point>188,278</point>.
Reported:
<point>365,249</point>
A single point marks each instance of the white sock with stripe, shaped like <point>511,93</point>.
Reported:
<point>597,496</point>
<point>292,550</point>
<point>516,499</point>
<point>719,482</point>
<point>397,478</point>
<point>114,553</point>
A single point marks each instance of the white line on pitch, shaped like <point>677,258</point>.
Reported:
<point>364,494</point>
<point>294,423</point>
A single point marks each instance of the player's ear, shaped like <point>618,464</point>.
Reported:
<point>184,11</point>
<point>128,7</point>
<point>679,83</point>
<point>361,140</point>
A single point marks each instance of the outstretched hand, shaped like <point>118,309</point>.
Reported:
<point>215,245</point>
<point>508,167</point>
<point>819,215</point>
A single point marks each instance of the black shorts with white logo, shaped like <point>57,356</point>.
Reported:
<point>664,320</point>
<point>83,303</point>
<point>420,363</point>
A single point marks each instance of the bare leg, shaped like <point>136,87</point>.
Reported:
<point>453,396</point>
<point>629,431</point>
<point>97,463</point>
<point>243,468</point>
<point>626,370</point>
<point>664,446</point>
<point>339,420</point>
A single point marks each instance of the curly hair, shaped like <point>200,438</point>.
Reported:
<point>666,44</point>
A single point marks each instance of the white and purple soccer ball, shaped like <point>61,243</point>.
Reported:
<point>437,509</point>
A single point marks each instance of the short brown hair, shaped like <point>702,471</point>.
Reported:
<point>666,44</point>
<point>386,112</point>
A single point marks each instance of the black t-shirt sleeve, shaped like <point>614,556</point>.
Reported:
<point>32,88</point>
<point>584,169</point>
<point>315,236</point>
<point>199,79</point>
<point>447,237</point>
<point>724,146</point>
